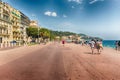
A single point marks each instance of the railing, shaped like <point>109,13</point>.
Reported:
<point>6,13</point>
<point>4,34</point>
<point>16,35</point>
<point>3,26</point>
<point>6,20</point>
<point>16,26</point>
<point>16,31</point>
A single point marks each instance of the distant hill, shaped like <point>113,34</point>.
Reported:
<point>67,33</point>
<point>83,35</point>
<point>62,33</point>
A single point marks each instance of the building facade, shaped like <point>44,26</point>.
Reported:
<point>13,24</point>
<point>33,23</point>
<point>5,23</point>
<point>15,19</point>
<point>25,22</point>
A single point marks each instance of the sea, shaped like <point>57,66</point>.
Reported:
<point>109,43</point>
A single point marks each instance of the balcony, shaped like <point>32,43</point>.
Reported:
<point>16,35</point>
<point>16,15</point>
<point>6,20</point>
<point>7,14</point>
<point>16,32</point>
<point>15,26</point>
<point>3,26</point>
<point>4,34</point>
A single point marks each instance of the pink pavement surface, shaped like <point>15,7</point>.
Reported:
<point>15,53</point>
<point>54,61</point>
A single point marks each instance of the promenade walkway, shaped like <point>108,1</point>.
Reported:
<point>54,61</point>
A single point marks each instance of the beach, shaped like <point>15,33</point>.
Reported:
<point>57,62</point>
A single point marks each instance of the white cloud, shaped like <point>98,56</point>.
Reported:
<point>77,1</point>
<point>94,1</point>
<point>54,14</point>
<point>48,13</point>
<point>64,16</point>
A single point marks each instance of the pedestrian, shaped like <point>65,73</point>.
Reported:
<point>82,43</point>
<point>101,45</point>
<point>116,45</point>
<point>98,46</point>
<point>92,45</point>
<point>63,42</point>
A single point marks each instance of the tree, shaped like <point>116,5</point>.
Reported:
<point>44,33</point>
<point>32,32</point>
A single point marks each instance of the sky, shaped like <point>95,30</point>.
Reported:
<point>100,18</point>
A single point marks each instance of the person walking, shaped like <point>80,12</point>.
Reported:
<point>98,46</point>
<point>63,42</point>
<point>116,45</point>
<point>92,45</point>
<point>101,44</point>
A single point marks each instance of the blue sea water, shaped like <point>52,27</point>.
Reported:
<point>109,43</point>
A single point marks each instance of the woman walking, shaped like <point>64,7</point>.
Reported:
<point>99,46</point>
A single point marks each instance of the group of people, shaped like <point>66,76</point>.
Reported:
<point>96,44</point>
<point>117,44</point>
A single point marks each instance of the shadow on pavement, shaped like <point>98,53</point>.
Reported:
<point>91,53</point>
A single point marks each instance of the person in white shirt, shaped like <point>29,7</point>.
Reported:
<point>92,45</point>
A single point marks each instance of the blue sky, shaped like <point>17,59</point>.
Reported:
<point>99,18</point>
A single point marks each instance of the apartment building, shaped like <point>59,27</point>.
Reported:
<point>13,24</point>
<point>25,22</point>
<point>34,23</point>
<point>5,23</point>
<point>15,19</point>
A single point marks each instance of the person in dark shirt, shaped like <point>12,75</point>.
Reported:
<point>116,45</point>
